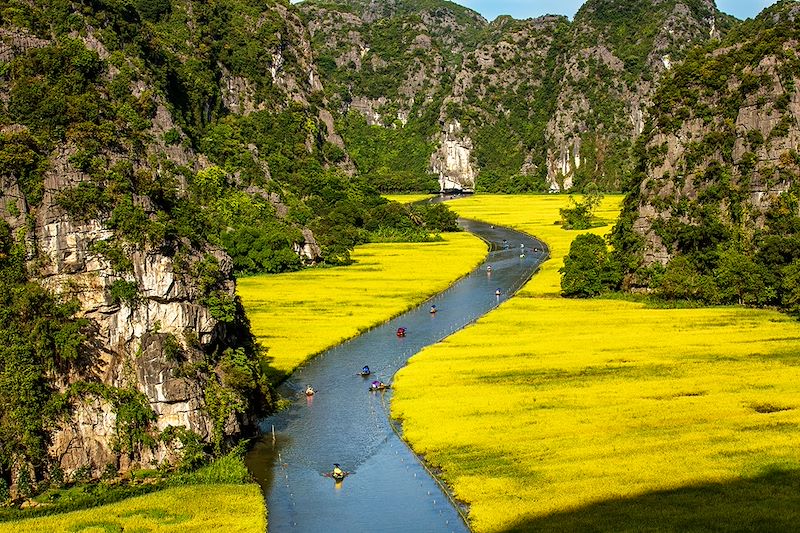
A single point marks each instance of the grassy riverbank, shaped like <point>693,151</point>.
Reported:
<point>300,314</point>
<point>605,415</point>
<point>197,508</point>
<point>217,497</point>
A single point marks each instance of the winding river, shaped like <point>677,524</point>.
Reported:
<point>388,488</point>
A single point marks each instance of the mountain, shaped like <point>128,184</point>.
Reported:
<point>611,69</point>
<point>151,150</point>
<point>511,105</point>
<point>712,212</point>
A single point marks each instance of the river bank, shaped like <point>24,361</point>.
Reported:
<point>569,415</point>
<point>344,423</point>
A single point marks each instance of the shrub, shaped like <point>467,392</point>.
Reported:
<point>588,268</point>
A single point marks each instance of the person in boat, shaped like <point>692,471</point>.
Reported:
<point>337,472</point>
<point>497,292</point>
<point>377,385</point>
<point>365,371</point>
<point>310,390</point>
<point>489,268</point>
<point>401,332</point>
<point>433,309</point>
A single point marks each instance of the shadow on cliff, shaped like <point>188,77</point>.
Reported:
<point>90,366</point>
<point>767,503</point>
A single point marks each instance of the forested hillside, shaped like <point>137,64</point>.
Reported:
<point>149,151</point>
<point>511,105</point>
<point>712,213</point>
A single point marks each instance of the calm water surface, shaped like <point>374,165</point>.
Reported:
<point>388,488</point>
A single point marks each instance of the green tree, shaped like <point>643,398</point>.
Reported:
<point>588,268</point>
<point>790,287</point>
<point>740,279</point>
<point>580,215</point>
<point>683,281</point>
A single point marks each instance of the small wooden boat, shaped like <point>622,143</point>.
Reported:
<point>337,473</point>
<point>378,386</point>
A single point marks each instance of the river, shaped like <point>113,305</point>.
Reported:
<point>388,487</point>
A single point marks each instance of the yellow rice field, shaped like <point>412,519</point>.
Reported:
<point>189,509</point>
<point>407,198</point>
<point>605,415</point>
<point>537,216</point>
<point>299,314</point>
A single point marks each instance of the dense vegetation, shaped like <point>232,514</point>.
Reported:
<point>722,244</point>
<point>59,92</point>
<point>522,91</point>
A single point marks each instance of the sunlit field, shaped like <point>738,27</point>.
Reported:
<point>605,415</point>
<point>538,216</point>
<point>300,314</point>
<point>407,198</point>
<point>195,508</point>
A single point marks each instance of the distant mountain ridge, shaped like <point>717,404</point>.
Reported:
<point>507,105</point>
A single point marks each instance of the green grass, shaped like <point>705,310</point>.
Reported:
<point>195,508</point>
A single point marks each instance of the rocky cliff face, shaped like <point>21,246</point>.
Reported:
<point>453,161</point>
<point>721,153</point>
<point>545,98</point>
<point>101,203</point>
<point>610,72</point>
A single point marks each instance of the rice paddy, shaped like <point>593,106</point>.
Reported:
<point>606,415</point>
<point>188,509</point>
<point>407,198</point>
<point>300,314</point>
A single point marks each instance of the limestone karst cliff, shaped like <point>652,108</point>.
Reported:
<point>611,69</point>
<point>538,104</point>
<point>712,211</point>
<point>149,150</point>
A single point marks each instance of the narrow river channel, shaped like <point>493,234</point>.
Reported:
<point>388,489</point>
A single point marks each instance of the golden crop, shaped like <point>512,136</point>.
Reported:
<point>549,407</point>
<point>189,509</point>
<point>407,198</point>
<point>300,314</point>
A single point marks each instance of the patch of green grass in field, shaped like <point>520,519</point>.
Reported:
<point>300,314</point>
<point>614,416</point>
<point>194,508</point>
